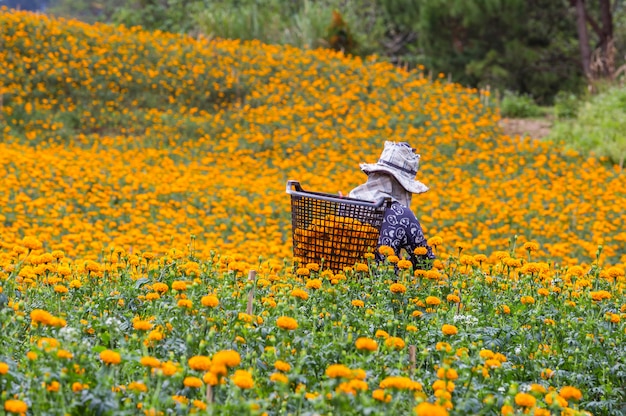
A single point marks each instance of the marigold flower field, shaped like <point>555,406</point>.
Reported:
<point>143,178</point>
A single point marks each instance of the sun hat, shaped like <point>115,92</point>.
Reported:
<point>399,160</point>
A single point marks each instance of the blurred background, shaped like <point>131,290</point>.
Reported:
<point>541,59</point>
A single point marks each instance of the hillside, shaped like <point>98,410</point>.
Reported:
<point>119,137</point>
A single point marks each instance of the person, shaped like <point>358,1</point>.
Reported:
<point>394,176</point>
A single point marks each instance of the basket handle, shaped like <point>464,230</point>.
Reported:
<point>331,198</point>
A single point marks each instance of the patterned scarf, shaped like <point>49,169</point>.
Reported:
<point>381,185</point>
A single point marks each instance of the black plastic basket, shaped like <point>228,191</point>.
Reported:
<point>334,232</point>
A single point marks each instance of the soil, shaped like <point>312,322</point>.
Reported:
<point>535,128</point>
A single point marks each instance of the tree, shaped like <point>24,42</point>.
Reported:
<point>597,62</point>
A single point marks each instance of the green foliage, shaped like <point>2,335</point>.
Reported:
<point>519,106</point>
<point>566,104</point>
<point>302,23</point>
<point>599,127</point>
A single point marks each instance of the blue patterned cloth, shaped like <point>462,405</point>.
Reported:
<point>401,230</point>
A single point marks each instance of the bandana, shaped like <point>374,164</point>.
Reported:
<point>381,185</point>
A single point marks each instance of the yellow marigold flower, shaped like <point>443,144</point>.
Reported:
<point>443,346</point>
<point>400,383</point>
<point>435,241</point>
<point>338,371</point>
<point>279,378</point>
<point>169,368</point>
<point>299,293</point>
<point>553,398</point>
<point>199,362</point>
<point>77,387</point>
<point>150,362</point>
<point>313,266</point>
<point>160,287</point>
<point>447,373</point>
<point>381,334</point>
<point>368,344</point>
<point>453,298</point>
<point>504,309</point>
<point>430,409</point>
<point>199,405</point>
<point>210,378</point>
<point>31,355</point>
<point>449,329</point>
<point>193,382</point>
<point>138,386</point>
<point>303,271</point>
<point>600,295</point>
<point>569,392</point>
<point>179,285</point>
<point>492,363</point>
<point>32,243</point>
<point>229,358</point>
<point>358,303</point>
<point>538,388</point>
<point>417,314</point>
<point>397,288</point>
<point>142,325</point>
<point>4,368</point>
<point>282,366</point>
<point>15,406</point>
<point>243,379</point>
<point>41,316</point>
<point>433,300</point>
<point>525,400</point>
<point>393,259</point>
<point>506,410</point>
<point>404,264</point>
<point>411,328</point>
<point>361,267</point>
<point>531,246</point>
<point>185,303</point>
<point>527,300</point>
<point>381,396</point>
<point>110,357</point>
<point>314,284</point>
<point>60,289</point>
<point>395,343</point>
<point>65,354</point>
<point>386,251</point>
<point>420,251</point>
<point>285,322</point>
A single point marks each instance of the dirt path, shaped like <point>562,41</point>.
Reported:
<point>535,128</point>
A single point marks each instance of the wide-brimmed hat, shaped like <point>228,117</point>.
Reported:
<point>399,160</point>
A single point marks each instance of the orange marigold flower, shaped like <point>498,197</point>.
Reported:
<point>449,329</point>
<point>569,392</point>
<point>243,379</point>
<point>397,288</point>
<point>525,400</point>
<point>110,357</point>
<point>430,409</point>
<point>285,322</point>
<point>193,382</point>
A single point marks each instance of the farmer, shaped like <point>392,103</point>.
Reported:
<point>394,176</point>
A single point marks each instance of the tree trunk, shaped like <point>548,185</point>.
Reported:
<point>583,37</point>
<point>606,40</point>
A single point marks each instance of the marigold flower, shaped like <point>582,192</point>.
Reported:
<point>150,362</point>
<point>15,406</point>
<point>229,358</point>
<point>381,334</point>
<point>279,378</point>
<point>395,343</point>
<point>314,284</point>
<point>430,409</point>
<point>386,251</point>
<point>243,379</point>
<point>525,400</point>
<point>179,285</point>
<point>449,329</point>
<point>433,300</point>
<point>358,303</point>
<point>285,322</point>
<point>4,368</point>
<point>138,386</point>
<point>338,371</point>
<point>199,362</point>
<point>569,392</point>
<point>397,288</point>
<point>282,366</point>
<point>381,396</point>
<point>142,325</point>
<point>193,382</point>
<point>400,383</point>
<point>299,293</point>
<point>110,357</point>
